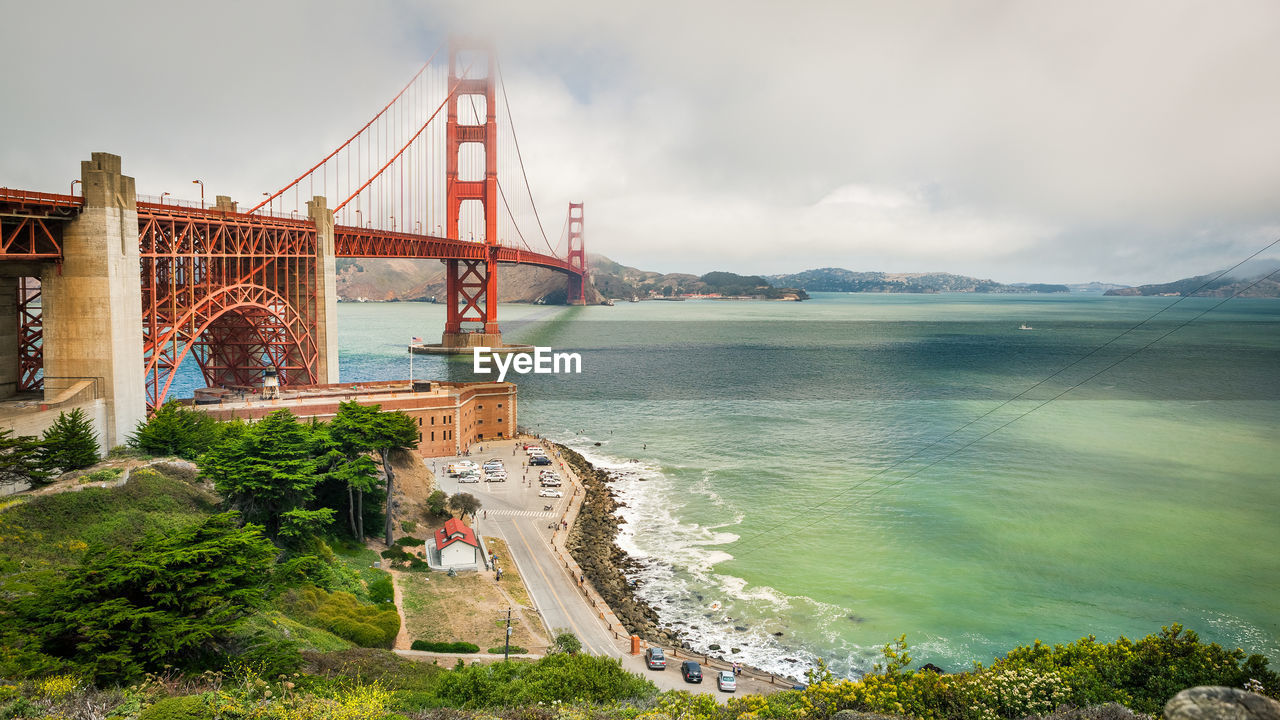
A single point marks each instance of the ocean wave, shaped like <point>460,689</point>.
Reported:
<point>714,612</point>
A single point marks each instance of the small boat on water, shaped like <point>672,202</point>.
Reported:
<point>1026,327</point>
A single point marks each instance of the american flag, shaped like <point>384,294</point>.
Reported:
<point>417,339</point>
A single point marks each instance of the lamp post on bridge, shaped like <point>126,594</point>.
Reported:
<point>417,226</point>
<point>201,184</point>
<point>162,195</point>
<point>393,223</point>
<point>267,195</point>
<point>73,186</point>
<point>359,222</point>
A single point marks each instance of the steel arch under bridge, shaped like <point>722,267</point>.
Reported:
<point>236,291</point>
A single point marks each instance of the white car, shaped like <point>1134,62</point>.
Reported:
<point>496,477</point>
<point>726,681</point>
<point>549,482</point>
<point>548,492</point>
<point>535,451</point>
<point>469,479</point>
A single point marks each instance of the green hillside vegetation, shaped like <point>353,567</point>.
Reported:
<point>158,599</point>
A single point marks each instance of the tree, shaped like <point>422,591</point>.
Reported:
<point>268,472</point>
<point>20,459</point>
<point>364,428</point>
<point>437,502</point>
<point>465,504</point>
<point>168,599</point>
<point>567,642</point>
<point>177,430</point>
<point>70,443</point>
<point>354,434</point>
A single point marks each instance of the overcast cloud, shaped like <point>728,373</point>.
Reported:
<point>1023,141</point>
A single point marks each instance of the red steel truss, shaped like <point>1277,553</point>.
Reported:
<point>577,280</point>
<point>31,223</point>
<point>236,291</point>
<point>30,335</point>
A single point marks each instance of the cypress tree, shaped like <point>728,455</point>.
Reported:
<point>20,459</point>
<point>70,443</point>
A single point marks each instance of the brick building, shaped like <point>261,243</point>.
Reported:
<point>451,416</point>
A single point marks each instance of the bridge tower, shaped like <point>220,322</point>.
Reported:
<point>577,289</point>
<point>471,286</point>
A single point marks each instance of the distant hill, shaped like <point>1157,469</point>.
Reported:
<point>841,280</point>
<point>1258,279</point>
<point>403,280</point>
<point>1094,287</point>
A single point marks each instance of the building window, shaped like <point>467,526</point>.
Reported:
<point>499,406</point>
<point>419,422</point>
<point>479,407</point>
<point>479,422</point>
<point>433,436</point>
<point>499,419</point>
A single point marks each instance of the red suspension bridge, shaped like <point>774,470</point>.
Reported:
<point>436,173</point>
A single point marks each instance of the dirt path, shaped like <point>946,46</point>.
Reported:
<point>404,641</point>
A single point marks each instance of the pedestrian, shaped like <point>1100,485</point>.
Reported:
<point>486,514</point>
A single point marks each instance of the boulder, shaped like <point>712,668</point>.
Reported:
<point>1221,703</point>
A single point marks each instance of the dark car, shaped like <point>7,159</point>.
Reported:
<point>691,671</point>
<point>654,658</point>
<point>540,460</point>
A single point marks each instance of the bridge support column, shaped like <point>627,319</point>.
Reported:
<point>326,285</point>
<point>92,304</point>
<point>577,285</point>
<point>10,353</point>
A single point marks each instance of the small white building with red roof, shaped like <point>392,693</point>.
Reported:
<point>456,545</point>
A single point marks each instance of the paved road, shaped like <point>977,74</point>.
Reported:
<point>513,511</point>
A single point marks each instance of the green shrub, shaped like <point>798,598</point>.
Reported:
<point>176,430</point>
<point>410,541</point>
<point>103,475</point>
<point>445,647</point>
<point>381,589</point>
<point>408,526</point>
<point>555,678</point>
<point>343,615</point>
<point>186,707</point>
<point>514,650</point>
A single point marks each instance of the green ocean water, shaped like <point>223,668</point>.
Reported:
<point>857,467</point>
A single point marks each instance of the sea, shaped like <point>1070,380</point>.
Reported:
<point>814,480</point>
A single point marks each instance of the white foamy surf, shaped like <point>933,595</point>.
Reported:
<point>714,612</point>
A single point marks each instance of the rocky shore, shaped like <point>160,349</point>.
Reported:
<point>592,545</point>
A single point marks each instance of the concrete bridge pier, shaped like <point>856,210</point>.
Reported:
<point>326,285</point>
<point>92,308</point>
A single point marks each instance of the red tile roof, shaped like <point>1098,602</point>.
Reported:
<point>454,531</point>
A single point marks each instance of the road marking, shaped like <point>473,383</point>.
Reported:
<point>551,588</point>
<point>522,513</point>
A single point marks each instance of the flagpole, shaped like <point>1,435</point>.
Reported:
<point>410,366</point>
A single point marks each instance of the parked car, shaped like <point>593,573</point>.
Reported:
<point>655,659</point>
<point>540,460</point>
<point>726,681</point>
<point>548,492</point>
<point>691,671</point>
<point>469,479</point>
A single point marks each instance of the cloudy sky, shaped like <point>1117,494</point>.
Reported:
<point>1022,141</point>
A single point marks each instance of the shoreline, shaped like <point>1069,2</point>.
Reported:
<point>592,544</point>
<point>597,526</point>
